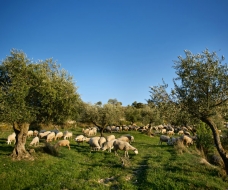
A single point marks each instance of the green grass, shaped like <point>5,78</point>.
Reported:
<point>155,167</point>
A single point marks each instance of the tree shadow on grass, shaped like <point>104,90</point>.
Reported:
<point>141,174</point>
<point>5,149</point>
<point>80,147</point>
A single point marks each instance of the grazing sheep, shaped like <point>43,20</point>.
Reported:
<point>170,133</point>
<point>110,137</point>
<point>163,131</point>
<point>59,135</point>
<point>124,138</point>
<point>30,133</point>
<point>35,133</point>
<point>35,141</point>
<point>130,137</point>
<point>86,132</point>
<point>63,143</point>
<point>50,136</point>
<point>44,134</point>
<point>181,132</point>
<point>125,128</point>
<point>108,129</point>
<point>163,138</point>
<point>101,141</point>
<point>94,143</point>
<point>80,139</point>
<point>186,140</point>
<point>121,145</point>
<point>173,140</point>
<point>11,138</point>
<point>92,131</point>
<point>68,135</point>
<point>108,145</point>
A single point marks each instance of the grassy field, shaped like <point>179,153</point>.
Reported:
<point>155,167</point>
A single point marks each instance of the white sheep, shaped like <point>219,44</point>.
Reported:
<point>50,136</point>
<point>121,145</point>
<point>44,134</point>
<point>170,133</point>
<point>163,138</point>
<point>35,133</point>
<point>35,141</point>
<point>124,138</point>
<point>86,132</point>
<point>101,141</point>
<point>11,137</point>
<point>80,139</point>
<point>181,132</point>
<point>92,131</point>
<point>63,143</point>
<point>108,145</point>
<point>59,135</point>
<point>110,137</point>
<point>68,135</point>
<point>30,133</point>
<point>94,143</point>
<point>186,140</point>
<point>130,137</point>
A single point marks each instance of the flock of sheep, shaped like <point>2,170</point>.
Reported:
<point>96,143</point>
<point>48,135</point>
<point>109,142</point>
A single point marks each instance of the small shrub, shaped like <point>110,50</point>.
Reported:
<point>180,148</point>
<point>50,149</point>
<point>204,140</point>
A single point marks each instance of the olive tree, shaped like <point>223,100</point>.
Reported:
<point>201,87</point>
<point>163,103</point>
<point>102,115</point>
<point>31,92</point>
<point>132,114</point>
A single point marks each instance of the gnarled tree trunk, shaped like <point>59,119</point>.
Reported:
<point>19,152</point>
<point>217,141</point>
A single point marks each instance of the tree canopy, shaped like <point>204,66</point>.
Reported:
<point>35,91</point>
<point>202,83</point>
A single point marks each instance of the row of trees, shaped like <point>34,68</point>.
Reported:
<point>41,92</point>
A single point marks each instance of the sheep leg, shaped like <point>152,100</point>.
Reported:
<point>125,153</point>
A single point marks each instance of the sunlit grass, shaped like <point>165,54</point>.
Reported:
<point>155,167</point>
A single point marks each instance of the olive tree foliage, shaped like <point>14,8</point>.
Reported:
<point>150,115</point>
<point>132,114</point>
<point>163,103</point>
<point>114,102</point>
<point>39,92</point>
<point>201,87</point>
<point>102,115</point>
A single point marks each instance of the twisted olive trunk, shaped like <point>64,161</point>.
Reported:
<point>19,152</point>
<point>217,141</point>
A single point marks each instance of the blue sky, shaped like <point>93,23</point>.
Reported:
<point>114,49</point>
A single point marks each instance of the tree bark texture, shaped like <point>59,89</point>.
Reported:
<point>217,141</point>
<point>19,152</point>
